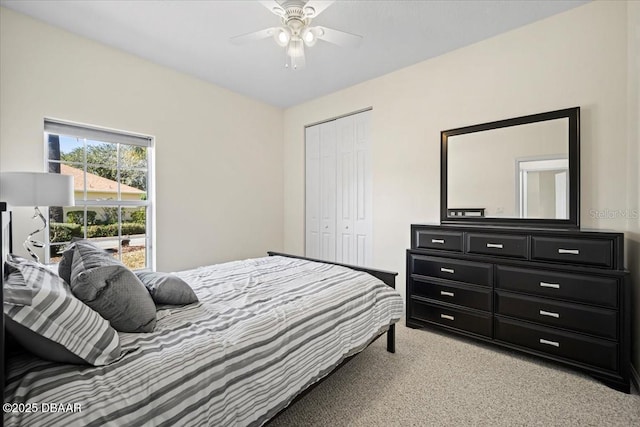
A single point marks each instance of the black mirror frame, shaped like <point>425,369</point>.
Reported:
<point>573,222</point>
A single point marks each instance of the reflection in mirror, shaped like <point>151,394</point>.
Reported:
<point>505,171</point>
<point>543,188</point>
<point>523,171</point>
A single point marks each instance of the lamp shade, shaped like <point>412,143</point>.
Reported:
<point>36,189</point>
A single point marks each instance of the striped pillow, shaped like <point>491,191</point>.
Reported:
<point>47,319</point>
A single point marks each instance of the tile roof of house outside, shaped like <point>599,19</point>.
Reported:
<point>96,183</point>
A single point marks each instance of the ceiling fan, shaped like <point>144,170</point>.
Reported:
<point>296,32</point>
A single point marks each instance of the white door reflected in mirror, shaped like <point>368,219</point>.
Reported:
<point>543,188</point>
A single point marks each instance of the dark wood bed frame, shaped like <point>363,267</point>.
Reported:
<point>388,277</point>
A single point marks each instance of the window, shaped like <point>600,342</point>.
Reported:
<point>113,183</point>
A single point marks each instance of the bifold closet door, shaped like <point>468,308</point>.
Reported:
<point>353,189</point>
<point>338,196</point>
<point>320,191</point>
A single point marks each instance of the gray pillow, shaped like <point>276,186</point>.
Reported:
<point>44,316</point>
<point>111,289</point>
<point>166,288</point>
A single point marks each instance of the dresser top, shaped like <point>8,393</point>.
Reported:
<point>584,232</point>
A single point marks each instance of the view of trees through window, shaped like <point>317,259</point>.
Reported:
<point>111,181</point>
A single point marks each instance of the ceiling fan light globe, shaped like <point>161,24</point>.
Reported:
<point>309,37</point>
<point>282,37</point>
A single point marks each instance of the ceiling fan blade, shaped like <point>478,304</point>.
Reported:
<point>338,37</point>
<point>318,6</point>
<point>256,35</point>
<point>273,6</point>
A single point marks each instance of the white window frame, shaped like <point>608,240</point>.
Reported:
<point>96,133</point>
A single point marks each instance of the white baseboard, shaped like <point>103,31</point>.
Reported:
<point>635,378</point>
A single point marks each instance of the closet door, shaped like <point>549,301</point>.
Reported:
<point>312,192</point>
<point>338,192</point>
<point>354,190</point>
<point>328,191</point>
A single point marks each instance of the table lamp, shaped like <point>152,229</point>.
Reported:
<point>36,189</point>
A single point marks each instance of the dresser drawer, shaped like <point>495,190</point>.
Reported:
<point>452,269</point>
<point>597,252</point>
<point>574,287</point>
<point>577,317</point>
<point>576,347</point>
<point>512,246</point>
<point>469,321</point>
<point>468,296</point>
<point>444,240</point>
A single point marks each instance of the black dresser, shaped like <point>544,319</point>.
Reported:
<point>561,295</point>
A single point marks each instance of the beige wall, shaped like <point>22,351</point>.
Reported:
<point>218,154</point>
<point>577,58</point>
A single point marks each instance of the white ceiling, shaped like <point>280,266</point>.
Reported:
<point>193,37</point>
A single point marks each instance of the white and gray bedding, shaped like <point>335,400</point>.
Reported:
<point>264,330</point>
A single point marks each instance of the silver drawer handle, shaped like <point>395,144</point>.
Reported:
<point>547,342</point>
<point>550,314</point>
<point>550,285</point>
<point>446,316</point>
<point>447,294</point>
<point>441,241</point>
<point>569,251</point>
<point>447,270</point>
<point>494,245</point>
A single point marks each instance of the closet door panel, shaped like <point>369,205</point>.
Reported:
<point>312,192</point>
<point>363,190</point>
<point>328,191</point>
<point>345,190</point>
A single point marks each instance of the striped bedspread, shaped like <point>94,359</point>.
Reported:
<point>264,330</point>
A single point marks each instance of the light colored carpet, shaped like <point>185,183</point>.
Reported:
<point>435,379</point>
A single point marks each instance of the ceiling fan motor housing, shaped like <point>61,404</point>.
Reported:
<point>295,16</point>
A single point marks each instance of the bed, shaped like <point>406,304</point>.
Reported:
<point>264,331</point>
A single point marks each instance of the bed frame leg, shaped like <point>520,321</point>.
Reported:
<point>391,339</point>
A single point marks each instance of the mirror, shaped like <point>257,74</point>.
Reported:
<point>522,171</point>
